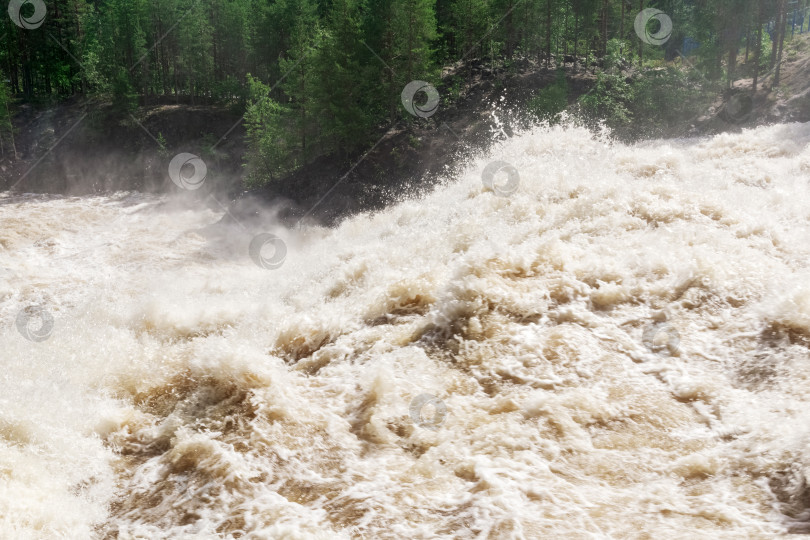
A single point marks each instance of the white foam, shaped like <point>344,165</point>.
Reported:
<point>185,391</point>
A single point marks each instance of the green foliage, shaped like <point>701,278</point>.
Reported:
<point>647,104</point>
<point>124,97</point>
<point>470,22</point>
<point>164,150</point>
<point>6,127</point>
<point>618,54</point>
<point>5,100</point>
<point>664,98</point>
<point>229,90</point>
<point>550,101</point>
<point>765,52</point>
<point>453,87</point>
<point>400,33</point>
<point>267,135</point>
<point>609,100</point>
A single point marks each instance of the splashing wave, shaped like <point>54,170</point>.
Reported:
<point>185,391</point>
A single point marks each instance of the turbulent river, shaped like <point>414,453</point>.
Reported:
<point>618,349</point>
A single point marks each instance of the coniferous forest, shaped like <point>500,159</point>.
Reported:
<point>320,77</point>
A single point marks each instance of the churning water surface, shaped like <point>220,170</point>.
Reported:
<point>185,392</point>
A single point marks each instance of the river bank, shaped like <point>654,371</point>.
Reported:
<point>81,147</point>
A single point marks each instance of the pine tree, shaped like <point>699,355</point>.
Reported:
<point>6,127</point>
<point>399,35</point>
<point>341,99</point>
<point>298,71</point>
<point>471,26</point>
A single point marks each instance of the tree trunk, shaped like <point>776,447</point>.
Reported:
<point>621,31</point>
<point>510,32</point>
<point>11,132</point>
<point>747,41</point>
<point>758,51</point>
<point>548,33</point>
<point>576,41</point>
<point>604,27</point>
<point>733,37</point>
<point>775,37</point>
<point>780,39</point>
<point>565,41</point>
<point>640,43</point>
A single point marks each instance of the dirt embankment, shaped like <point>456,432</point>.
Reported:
<point>788,101</point>
<point>82,147</point>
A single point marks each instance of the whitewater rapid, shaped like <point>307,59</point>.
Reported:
<point>185,392</point>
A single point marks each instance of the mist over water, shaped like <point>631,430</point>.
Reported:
<point>185,392</point>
